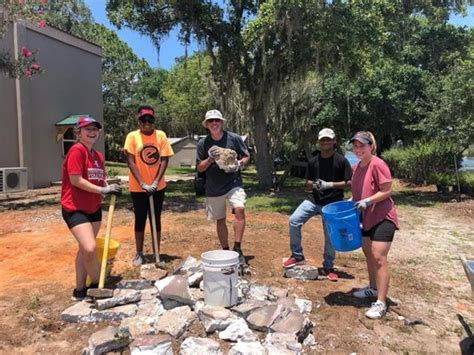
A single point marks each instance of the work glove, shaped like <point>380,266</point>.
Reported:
<point>321,185</point>
<point>112,189</point>
<point>149,189</point>
<point>212,152</point>
<point>363,204</point>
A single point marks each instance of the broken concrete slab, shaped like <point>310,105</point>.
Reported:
<point>176,321</point>
<point>138,326</point>
<point>247,348</point>
<point>175,287</point>
<point>293,323</point>
<point>120,297</point>
<point>236,330</point>
<point>115,313</point>
<point>289,303</point>
<point>305,306</point>
<point>188,264</point>
<point>195,345</point>
<point>169,304</point>
<point>152,308</point>
<point>196,294</point>
<point>309,341</point>
<point>277,292</point>
<point>81,312</point>
<point>152,273</point>
<point>282,343</point>
<point>248,306</point>
<point>152,344</point>
<point>253,291</point>
<point>135,284</point>
<point>302,272</point>
<point>149,293</point>
<point>262,318</point>
<point>195,278</point>
<point>215,318</point>
<point>107,339</point>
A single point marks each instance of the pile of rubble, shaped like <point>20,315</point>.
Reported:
<point>158,309</point>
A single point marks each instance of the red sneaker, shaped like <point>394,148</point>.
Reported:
<point>292,261</point>
<point>330,274</point>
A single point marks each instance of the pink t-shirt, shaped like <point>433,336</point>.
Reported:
<point>366,181</point>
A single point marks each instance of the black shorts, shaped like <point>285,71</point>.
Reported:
<point>382,232</point>
<point>75,218</point>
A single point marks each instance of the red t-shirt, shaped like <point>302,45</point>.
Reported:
<point>366,181</point>
<point>90,165</point>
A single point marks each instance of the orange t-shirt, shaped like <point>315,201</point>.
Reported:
<point>147,151</point>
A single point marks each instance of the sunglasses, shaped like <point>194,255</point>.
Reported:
<point>213,120</point>
<point>147,120</point>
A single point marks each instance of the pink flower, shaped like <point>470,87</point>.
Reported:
<point>43,2</point>
<point>35,67</point>
<point>42,24</point>
<point>24,51</point>
<point>28,73</point>
<point>21,2</point>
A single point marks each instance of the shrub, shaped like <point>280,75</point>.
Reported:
<point>424,162</point>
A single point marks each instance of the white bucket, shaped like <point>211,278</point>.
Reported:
<point>221,275</point>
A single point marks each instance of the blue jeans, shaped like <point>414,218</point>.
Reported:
<point>300,216</point>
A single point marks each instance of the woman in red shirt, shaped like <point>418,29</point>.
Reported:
<point>371,186</point>
<point>83,182</point>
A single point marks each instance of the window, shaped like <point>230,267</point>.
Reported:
<point>69,139</point>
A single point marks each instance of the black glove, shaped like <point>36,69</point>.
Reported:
<point>112,189</point>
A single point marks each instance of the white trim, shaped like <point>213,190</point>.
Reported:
<point>21,153</point>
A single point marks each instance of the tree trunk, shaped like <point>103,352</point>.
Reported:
<point>262,157</point>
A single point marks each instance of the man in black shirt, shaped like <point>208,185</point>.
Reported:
<point>223,186</point>
<point>327,176</point>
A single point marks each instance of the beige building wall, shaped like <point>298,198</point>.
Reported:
<point>184,151</point>
<point>71,84</point>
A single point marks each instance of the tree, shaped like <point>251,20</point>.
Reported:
<point>188,94</point>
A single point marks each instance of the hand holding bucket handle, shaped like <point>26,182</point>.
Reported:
<point>362,205</point>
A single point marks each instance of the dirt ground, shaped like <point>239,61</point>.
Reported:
<point>37,277</point>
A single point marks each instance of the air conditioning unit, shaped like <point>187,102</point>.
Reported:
<point>13,179</point>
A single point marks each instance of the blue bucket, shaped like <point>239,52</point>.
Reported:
<point>342,223</point>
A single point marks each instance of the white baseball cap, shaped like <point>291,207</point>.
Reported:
<point>212,114</point>
<point>326,132</point>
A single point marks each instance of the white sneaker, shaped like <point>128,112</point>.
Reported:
<point>365,292</point>
<point>138,259</point>
<point>377,310</point>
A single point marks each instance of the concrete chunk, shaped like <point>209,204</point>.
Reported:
<point>116,313</point>
<point>107,339</point>
<point>215,318</point>
<point>175,287</point>
<point>277,292</point>
<point>245,308</point>
<point>302,272</point>
<point>253,291</point>
<point>135,284</point>
<point>152,344</point>
<point>293,323</point>
<point>195,278</point>
<point>262,318</point>
<point>282,343</point>
<point>198,346</point>
<point>189,264</point>
<point>153,308</point>
<point>289,303</point>
<point>176,321</point>
<point>138,326</point>
<point>149,294</point>
<point>81,312</point>
<point>236,330</point>
<point>305,306</point>
<point>247,348</point>
<point>120,297</point>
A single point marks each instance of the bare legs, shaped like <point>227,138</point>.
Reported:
<point>238,225</point>
<point>377,265</point>
<point>86,260</point>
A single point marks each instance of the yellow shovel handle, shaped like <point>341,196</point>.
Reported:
<point>105,254</point>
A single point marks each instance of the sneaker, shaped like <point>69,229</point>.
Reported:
<point>365,292</point>
<point>330,274</point>
<point>79,295</point>
<point>377,310</point>
<point>292,261</point>
<point>138,259</point>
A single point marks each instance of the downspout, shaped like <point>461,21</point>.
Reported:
<point>21,155</point>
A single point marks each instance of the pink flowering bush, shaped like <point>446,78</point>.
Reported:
<point>25,65</point>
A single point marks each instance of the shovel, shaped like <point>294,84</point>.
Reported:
<point>102,292</point>
<point>155,236</point>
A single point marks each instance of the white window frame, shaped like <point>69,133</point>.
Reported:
<point>67,140</point>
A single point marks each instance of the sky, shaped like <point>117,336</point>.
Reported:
<point>170,46</point>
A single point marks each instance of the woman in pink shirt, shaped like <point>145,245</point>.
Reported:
<point>371,186</point>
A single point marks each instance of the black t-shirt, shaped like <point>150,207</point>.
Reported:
<point>218,182</point>
<point>334,168</point>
